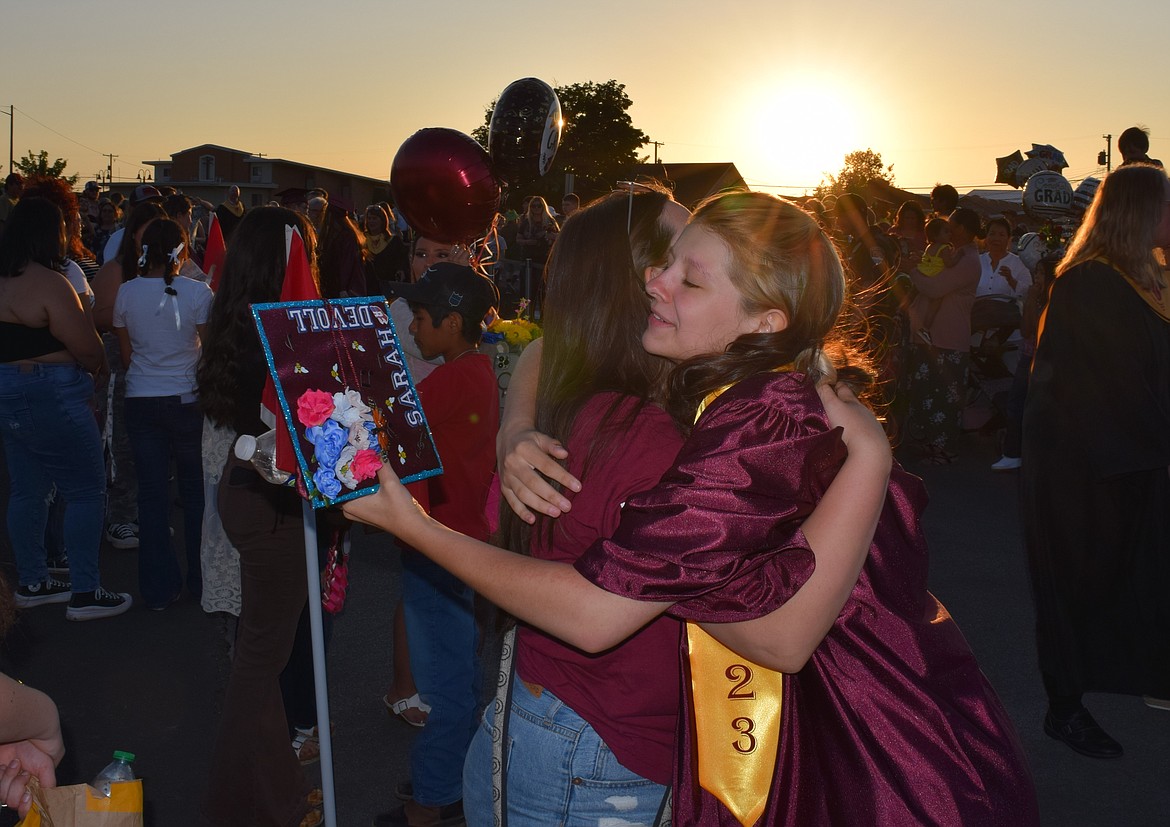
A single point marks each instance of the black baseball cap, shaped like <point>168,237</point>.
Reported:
<point>452,285</point>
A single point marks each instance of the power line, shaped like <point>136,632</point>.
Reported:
<point>58,134</point>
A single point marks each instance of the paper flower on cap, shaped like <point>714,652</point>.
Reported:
<point>341,429</point>
<point>327,482</point>
<point>314,407</point>
<point>328,440</point>
<point>365,465</point>
<point>349,409</point>
<point>342,467</point>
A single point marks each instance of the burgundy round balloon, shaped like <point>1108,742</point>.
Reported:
<point>443,184</point>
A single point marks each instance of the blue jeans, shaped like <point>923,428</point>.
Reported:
<point>51,436</point>
<point>441,633</point>
<point>161,427</point>
<point>559,770</point>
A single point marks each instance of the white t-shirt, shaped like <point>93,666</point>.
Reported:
<point>991,283</point>
<point>164,354</point>
<point>78,281</point>
<point>420,368</point>
<point>110,252</point>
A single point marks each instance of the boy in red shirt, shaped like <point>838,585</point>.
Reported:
<point>461,402</point>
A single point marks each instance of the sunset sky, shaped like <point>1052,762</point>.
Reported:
<point>783,90</point>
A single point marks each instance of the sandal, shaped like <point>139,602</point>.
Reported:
<point>307,746</point>
<point>401,706</point>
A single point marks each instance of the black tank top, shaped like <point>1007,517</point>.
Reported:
<point>18,341</point>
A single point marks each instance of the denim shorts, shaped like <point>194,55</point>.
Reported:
<point>559,771</point>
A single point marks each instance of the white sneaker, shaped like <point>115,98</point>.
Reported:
<point>1006,464</point>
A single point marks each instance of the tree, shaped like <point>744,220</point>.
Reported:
<point>861,167</point>
<point>598,145</point>
<point>39,165</point>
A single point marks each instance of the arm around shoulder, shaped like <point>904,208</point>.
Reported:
<point>525,456</point>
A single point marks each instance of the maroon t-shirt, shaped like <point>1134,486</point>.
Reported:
<point>461,401</point>
<point>630,694</point>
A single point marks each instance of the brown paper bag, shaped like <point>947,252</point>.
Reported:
<point>77,806</point>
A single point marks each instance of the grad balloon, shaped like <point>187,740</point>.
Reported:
<point>1048,194</point>
<point>1031,249</point>
<point>443,184</point>
<point>1005,168</point>
<point>1029,168</point>
<point>1053,158</point>
<point>525,130</point>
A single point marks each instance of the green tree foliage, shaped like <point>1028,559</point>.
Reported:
<point>598,145</point>
<point>861,167</point>
<point>39,165</point>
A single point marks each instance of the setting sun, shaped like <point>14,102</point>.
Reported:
<point>801,130</point>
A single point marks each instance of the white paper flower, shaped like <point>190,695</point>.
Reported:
<point>349,409</point>
<point>344,473</point>
<point>359,436</point>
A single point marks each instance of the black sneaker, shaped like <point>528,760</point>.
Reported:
<point>59,565</point>
<point>51,591</point>
<point>122,535</point>
<point>97,604</point>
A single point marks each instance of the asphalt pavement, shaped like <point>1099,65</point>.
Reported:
<point>152,682</point>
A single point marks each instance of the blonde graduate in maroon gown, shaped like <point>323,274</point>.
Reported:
<point>848,695</point>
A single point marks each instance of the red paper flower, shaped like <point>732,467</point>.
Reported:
<point>314,407</point>
<point>365,465</point>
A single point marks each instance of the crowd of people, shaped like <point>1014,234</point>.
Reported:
<point>712,569</point>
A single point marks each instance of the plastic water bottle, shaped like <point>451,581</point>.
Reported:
<point>261,452</point>
<point>119,769</point>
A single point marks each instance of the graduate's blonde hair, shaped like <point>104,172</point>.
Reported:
<point>1119,225</point>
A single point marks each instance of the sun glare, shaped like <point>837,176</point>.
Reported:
<point>800,131</point>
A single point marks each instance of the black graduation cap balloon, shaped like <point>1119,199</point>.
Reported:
<point>1005,168</point>
<point>1052,157</point>
<point>525,130</point>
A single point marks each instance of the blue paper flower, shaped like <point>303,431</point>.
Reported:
<point>328,439</point>
<point>327,482</point>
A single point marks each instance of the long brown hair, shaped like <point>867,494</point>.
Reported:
<point>253,272</point>
<point>595,312</point>
<point>1119,225</point>
<point>780,259</point>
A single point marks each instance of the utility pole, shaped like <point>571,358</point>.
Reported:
<point>110,168</point>
<point>1106,157</point>
<point>656,145</point>
<point>11,113</point>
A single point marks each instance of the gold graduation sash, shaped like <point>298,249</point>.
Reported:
<point>737,706</point>
<point>737,710</point>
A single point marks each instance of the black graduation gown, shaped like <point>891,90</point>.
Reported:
<point>1096,490</point>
